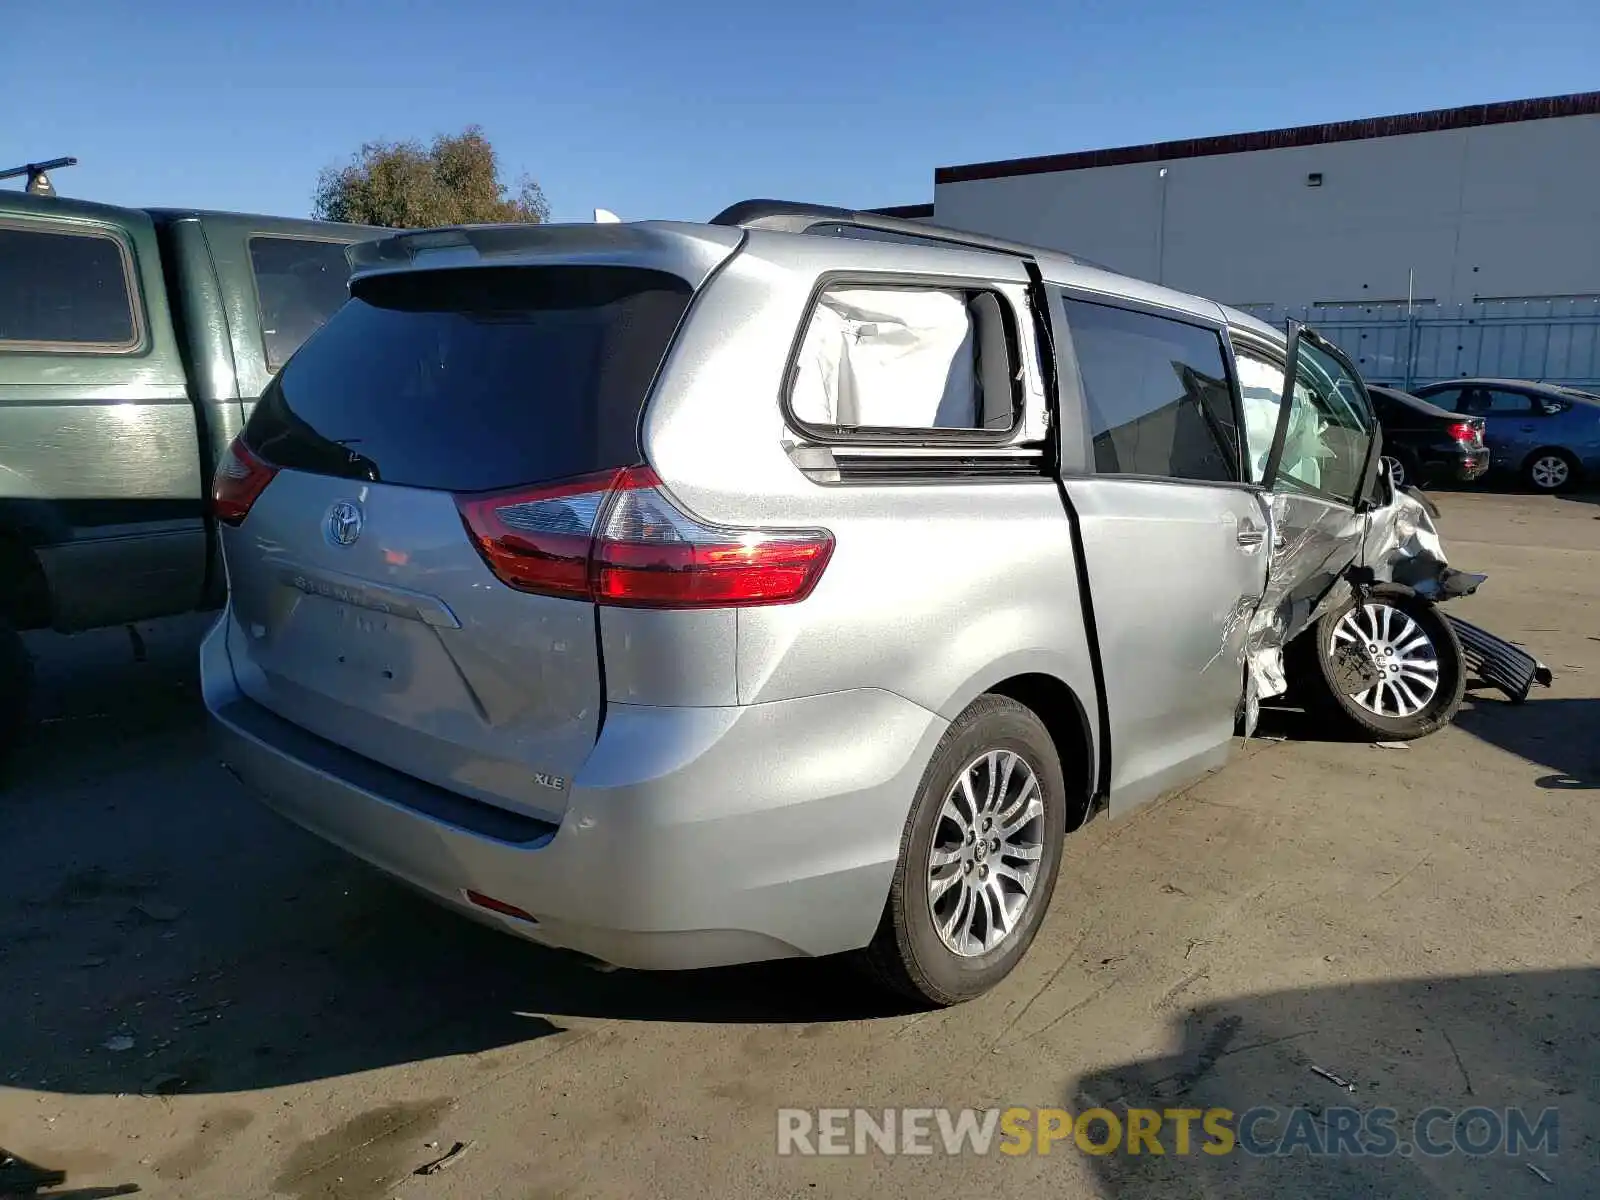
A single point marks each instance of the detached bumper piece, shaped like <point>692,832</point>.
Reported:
<point>1498,663</point>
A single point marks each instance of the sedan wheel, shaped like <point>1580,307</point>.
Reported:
<point>1397,471</point>
<point>1550,471</point>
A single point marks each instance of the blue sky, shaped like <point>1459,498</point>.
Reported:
<point>677,109</point>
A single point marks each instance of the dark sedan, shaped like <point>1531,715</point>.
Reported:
<point>1548,435</point>
<point>1424,444</point>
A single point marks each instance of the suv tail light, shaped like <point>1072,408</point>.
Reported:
<point>240,479</point>
<point>616,538</point>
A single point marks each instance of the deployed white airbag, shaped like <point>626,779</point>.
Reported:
<point>894,358</point>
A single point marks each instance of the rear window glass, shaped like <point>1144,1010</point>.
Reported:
<point>78,295</point>
<point>299,284</point>
<point>474,379</point>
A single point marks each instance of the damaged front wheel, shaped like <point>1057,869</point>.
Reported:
<point>1390,664</point>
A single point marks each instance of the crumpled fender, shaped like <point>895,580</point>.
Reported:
<point>1399,545</point>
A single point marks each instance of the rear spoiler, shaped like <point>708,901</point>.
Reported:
<point>689,251</point>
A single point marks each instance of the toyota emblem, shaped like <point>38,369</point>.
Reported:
<point>343,523</point>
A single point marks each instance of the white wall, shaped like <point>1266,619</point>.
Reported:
<point>1501,210</point>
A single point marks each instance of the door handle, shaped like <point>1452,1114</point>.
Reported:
<point>1527,429</point>
<point>1250,535</point>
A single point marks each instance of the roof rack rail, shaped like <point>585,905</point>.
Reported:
<point>38,182</point>
<point>787,216</point>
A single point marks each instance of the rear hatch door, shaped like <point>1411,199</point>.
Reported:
<point>361,609</point>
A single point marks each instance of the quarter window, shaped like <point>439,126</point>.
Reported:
<point>300,283</point>
<point>66,292</point>
<point>1448,399</point>
<point>907,358</point>
<point>1260,391</point>
<point>1157,392</point>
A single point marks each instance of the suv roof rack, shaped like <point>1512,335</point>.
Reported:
<point>786,216</point>
<point>38,182</point>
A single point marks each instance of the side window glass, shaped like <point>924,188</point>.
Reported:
<point>1157,392</point>
<point>69,293</point>
<point>1448,399</point>
<point>1260,390</point>
<point>299,285</point>
<point>1329,430</point>
<point>1511,404</point>
<point>906,358</point>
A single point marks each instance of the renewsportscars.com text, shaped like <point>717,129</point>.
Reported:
<point>1261,1131</point>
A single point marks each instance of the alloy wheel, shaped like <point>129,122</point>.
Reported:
<point>1550,471</point>
<point>1402,653</point>
<point>984,861</point>
<point>1397,470</point>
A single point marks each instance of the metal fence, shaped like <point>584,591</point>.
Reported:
<point>1549,340</point>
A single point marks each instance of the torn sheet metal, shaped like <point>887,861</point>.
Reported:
<point>1402,546</point>
<point>1314,544</point>
<point>1317,548</point>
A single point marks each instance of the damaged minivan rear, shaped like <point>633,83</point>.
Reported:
<point>792,584</point>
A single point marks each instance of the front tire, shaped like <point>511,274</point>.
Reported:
<point>1399,644</point>
<point>979,857</point>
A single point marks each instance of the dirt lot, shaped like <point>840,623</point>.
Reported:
<point>202,1001</point>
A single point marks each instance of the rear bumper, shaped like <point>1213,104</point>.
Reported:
<point>692,836</point>
<point>1454,466</point>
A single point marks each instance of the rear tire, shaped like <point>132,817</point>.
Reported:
<point>16,688</point>
<point>1424,674</point>
<point>974,881</point>
<point>1550,470</point>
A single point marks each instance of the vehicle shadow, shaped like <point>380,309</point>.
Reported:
<point>1560,733</point>
<point>21,1177</point>
<point>1287,721</point>
<point>162,932</point>
<point>1495,1042</point>
<point>105,695</point>
<point>117,986</point>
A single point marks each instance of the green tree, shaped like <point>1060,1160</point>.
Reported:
<point>406,185</point>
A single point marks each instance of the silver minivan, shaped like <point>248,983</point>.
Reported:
<point>786,585</point>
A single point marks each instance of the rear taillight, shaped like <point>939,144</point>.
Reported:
<point>618,539</point>
<point>1467,432</point>
<point>240,479</point>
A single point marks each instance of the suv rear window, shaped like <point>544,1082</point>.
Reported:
<point>78,294</point>
<point>474,379</point>
<point>300,283</point>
